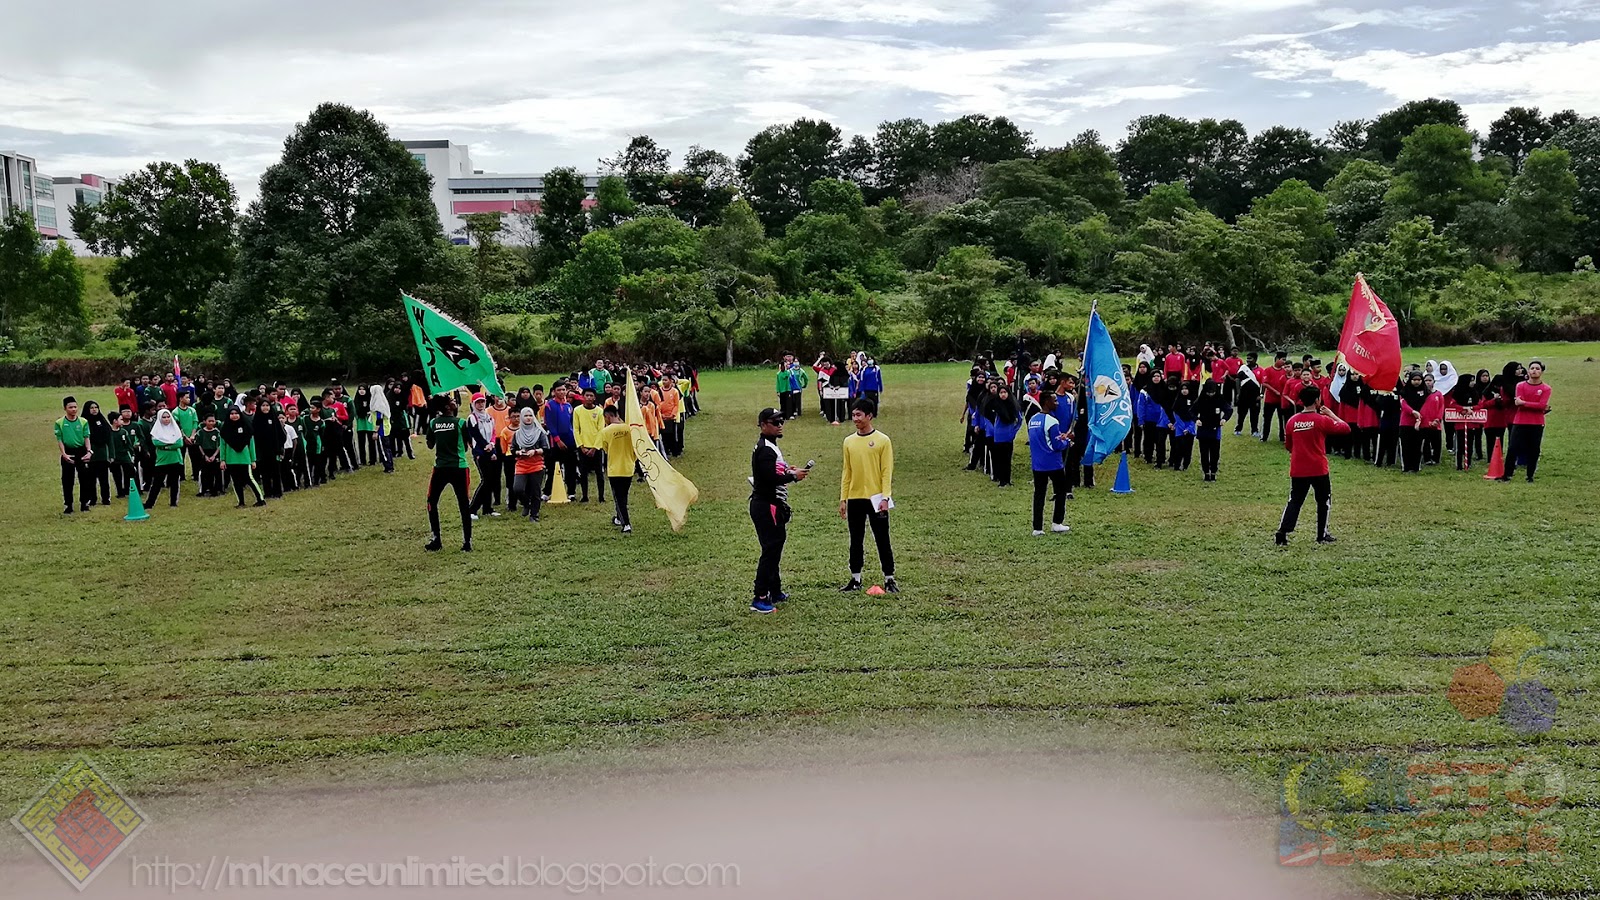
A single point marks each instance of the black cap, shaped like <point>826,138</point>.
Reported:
<point>769,415</point>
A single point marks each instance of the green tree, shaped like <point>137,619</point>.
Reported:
<point>736,288</point>
<point>1540,202</point>
<point>1088,169</point>
<point>1436,175</point>
<point>586,288</point>
<point>561,221</point>
<point>645,168</point>
<point>1279,154</point>
<point>41,294</point>
<point>977,139</point>
<point>1581,140</point>
<point>1164,203</point>
<point>612,205</point>
<point>1158,150</point>
<point>171,229</point>
<point>1410,267</point>
<point>1483,228</point>
<point>1516,134</point>
<point>903,153</point>
<point>1217,172</point>
<point>1356,202</point>
<point>1387,133</point>
<point>498,267</point>
<point>955,296</point>
<point>781,163</point>
<point>1019,178</point>
<point>62,319</point>
<point>658,243</point>
<point>703,188</point>
<point>1299,215</point>
<point>1348,137</point>
<point>345,221</point>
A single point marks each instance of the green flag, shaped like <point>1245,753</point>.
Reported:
<point>452,356</point>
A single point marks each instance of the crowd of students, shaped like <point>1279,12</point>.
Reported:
<point>1187,397</point>
<point>272,440</point>
<point>837,388</point>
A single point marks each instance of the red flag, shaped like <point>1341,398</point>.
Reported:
<point>1370,342</point>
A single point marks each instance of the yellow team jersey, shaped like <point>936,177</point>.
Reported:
<point>618,444</point>
<point>868,466</point>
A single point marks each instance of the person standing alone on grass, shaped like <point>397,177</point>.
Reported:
<point>770,478</point>
<point>1531,404</point>
<point>865,483</point>
<point>72,439</point>
<point>1306,435</point>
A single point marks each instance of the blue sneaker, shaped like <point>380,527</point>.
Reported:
<point>762,605</point>
<point>780,598</point>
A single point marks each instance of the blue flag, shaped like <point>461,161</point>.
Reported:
<point>1110,409</point>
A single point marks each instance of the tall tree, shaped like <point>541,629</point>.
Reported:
<point>586,288</point>
<point>1355,202</point>
<point>1388,132</point>
<point>1540,201</point>
<point>645,167</point>
<point>1436,175</point>
<point>1159,149</point>
<point>1089,171</point>
<point>978,139</point>
<point>703,188</point>
<point>858,163</point>
<point>345,221</point>
<point>903,151</point>
<point>780,164</point>
<point>612,204</point>
<point>1279,154</point>
<point>561,222</point>
<point>1581,140</point>
<point>1217,171</point>
<point>1349,136</point>
<point>1519,132</point>
<point>171,229</point>
<point>955,295</point>
<point>41,294</point>
<point>1299,216</point>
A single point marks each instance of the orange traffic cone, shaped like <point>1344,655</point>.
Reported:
<point>1497,463</point>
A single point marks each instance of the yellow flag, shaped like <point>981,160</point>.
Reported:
<point>673,493</point>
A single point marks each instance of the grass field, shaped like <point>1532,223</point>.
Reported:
<point>313,639</point>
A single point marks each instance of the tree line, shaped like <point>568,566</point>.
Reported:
<point>926,239</point>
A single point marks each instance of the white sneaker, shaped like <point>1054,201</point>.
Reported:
<point>496,514</point>
<point>1038,534</point>
<point>1060,529</point>
<point>627,529</point>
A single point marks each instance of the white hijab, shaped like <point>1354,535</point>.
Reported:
<point>1442,382</point>
<point>1049,362</point>
<point>165,430</point>
<point>483,421</point>
<point>1146,355</point>
<point>378,401</point>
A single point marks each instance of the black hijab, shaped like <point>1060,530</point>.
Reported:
<point>236,433</point>
<point>1003,409</point>
<point>1414,395</point>
<point>99,428</point>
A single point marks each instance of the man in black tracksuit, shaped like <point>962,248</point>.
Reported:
<point>770,478</point>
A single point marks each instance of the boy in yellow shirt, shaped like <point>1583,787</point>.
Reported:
<point>865,487</point>
<point>617,441</point>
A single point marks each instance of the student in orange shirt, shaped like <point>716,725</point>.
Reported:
<point>525,447</point>
<point>670,406</point>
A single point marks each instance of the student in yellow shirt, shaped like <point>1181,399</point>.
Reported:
<point>588,421</point>
<point>865,487</point>
<point>618,444</point>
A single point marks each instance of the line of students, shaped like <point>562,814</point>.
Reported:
<point>837,389</point>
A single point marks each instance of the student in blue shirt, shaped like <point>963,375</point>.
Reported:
<point>1004,423</point>
<point>1047,448</point>
<point>1183,427</point>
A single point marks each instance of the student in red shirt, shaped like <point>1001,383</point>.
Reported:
<point>1532,404</point>
<point>1306,436</point>
<point>1271,394</point>
<point>1432,423</point>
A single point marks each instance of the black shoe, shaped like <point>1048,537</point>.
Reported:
<point>260,503</point>
<point>890,586</point>
<point>466,547</point>
<point>1326,539</point>
<point>240,506</point>
<point>84,507</point>
<point>850,586</point>
<point>433,545</point>
<point>67,511</point>
<point>173,504</point>
<point>1281,539</point>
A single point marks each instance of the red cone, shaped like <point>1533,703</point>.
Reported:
<point>1497,463</point>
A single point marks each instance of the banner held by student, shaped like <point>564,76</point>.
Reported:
<point>673,493</point>
<point>452,355</point>
<point>1369,345</point>
<point>1110,408</point>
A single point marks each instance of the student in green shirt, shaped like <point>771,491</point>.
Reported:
<point>99,453</point>
<point>239,455</point>
<point>72,439</point>
<point>361,422</point>
<point>447,437</point>
<point>188,419</point>
<point>167,438</point>
<point>124,451</point>
<point>315,459</point>
<point>208,446</point>
<point>145,458</point>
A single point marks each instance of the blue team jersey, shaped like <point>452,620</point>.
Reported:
<point>1047,443</point>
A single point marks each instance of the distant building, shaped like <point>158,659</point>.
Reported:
<point>460,190</point>
<point>71,193</point>
<point>23,189</point>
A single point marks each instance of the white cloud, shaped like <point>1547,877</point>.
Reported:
<point>890,12</point>
<point>1547,74</point>
<point>1142,16</point>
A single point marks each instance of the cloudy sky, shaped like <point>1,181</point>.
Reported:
<point>531,84</point>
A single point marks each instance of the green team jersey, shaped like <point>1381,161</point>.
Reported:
<point>124,444</point>
<point>448,437</point>
<point>208,440</point>
<point>72,433</point>
<point>169,454</point>
<point>219,408</point>
<point>141,427</point>
<point>188,420</point>
<point>305,433</point>
<point>245,457</point>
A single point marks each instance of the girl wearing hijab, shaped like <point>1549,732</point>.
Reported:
<point>1146,357</point>
<point>1183,427</point>
<point>239,456</point>
<point>1493,403</point>
<point>1432,423</point>
<point>528,443</point>
<point>1465,399</point>
<point>1413,397</point>
<point>1210,414</point>
<point>167,438</point>
<point>969,411</point>
<point>1007,422</point>
<point>361,421</point>
<point>484,441</point>
<point>101,452</point>
<point>1140,381</point>
<point>1445,379</point>
<point>1348,401</point>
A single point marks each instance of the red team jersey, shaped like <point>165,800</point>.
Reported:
<point>1306,436</point>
